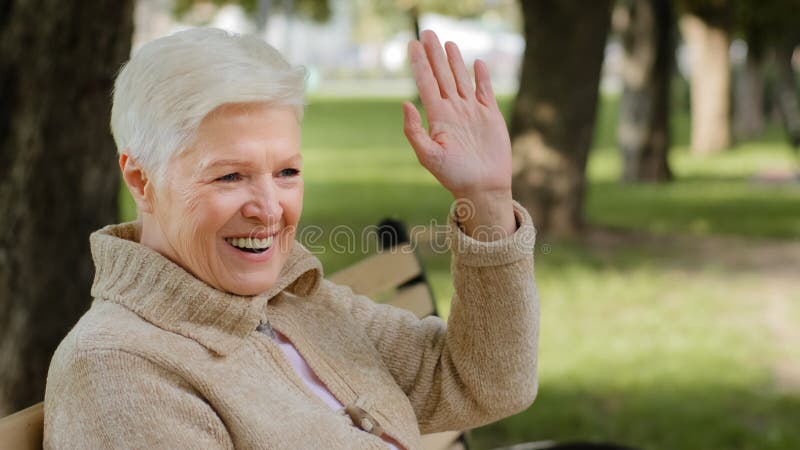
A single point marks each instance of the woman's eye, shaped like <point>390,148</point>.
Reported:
<point>289,172</point>
<point>230,177</point>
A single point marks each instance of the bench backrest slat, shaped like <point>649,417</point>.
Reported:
<point>380,273</point>
<point>23,429</point>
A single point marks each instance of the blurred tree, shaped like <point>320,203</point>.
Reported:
<point>706,25</point>
<point>749,82</point>
<point>58,176</point>
<point>787,93</point>
<point>772,34</point>
<point>413,8</point>
<point>554,112</point>
<point>645,27</point>
<point>748,95</point>
<point>317,10</point>
<point>378,20</point>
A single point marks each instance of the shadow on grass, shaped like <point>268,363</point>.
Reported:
<point>698,205</point>
<point>654,418</point>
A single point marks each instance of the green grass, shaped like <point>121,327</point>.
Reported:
<point>640,350</point>
<point>713,195</point>
<point>652,345</point>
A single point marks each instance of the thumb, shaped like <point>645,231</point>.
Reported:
<point>417,136</point>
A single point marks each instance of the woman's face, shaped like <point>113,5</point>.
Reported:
<point>229,205</point>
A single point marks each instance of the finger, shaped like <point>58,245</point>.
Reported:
<point>483,85</point>
<point>463,80</point>
<point>417,136</point>
<point>423,75</point>
<point>438,61</point>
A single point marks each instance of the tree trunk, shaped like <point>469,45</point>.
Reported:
<point>554,112</point>
<point>58,177</point>
<point>748,98</point>
<point>710,84</point>
<point>786,92</point>
<point>643,129</point>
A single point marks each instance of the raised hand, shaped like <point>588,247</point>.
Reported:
<point>467,147</point>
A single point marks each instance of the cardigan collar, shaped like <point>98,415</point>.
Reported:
<point>171,298</point>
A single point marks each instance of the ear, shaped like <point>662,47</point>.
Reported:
<point>138,183</point>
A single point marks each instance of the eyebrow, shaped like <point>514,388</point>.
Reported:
<point>206,165</point>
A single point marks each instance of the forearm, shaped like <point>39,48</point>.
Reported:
<point>487,368</point>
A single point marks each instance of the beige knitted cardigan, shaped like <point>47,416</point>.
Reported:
<point>162,360</point>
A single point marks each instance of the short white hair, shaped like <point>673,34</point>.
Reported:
<point>162,94</point>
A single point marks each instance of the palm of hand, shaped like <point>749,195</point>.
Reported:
<point>467,147</point>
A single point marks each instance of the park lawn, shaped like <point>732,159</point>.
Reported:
<point>645,345</point>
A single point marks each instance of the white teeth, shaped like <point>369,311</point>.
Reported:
<point>252,243</point>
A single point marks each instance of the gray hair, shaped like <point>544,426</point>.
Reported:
<point>162,94</point>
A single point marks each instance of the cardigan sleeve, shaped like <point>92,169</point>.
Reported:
<point>115,399</point>
<point>481,366</point>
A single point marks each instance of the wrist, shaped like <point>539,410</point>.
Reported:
<point>485,215</point>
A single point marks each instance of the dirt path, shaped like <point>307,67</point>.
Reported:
<point>778,316</point>
<point>773,264</point>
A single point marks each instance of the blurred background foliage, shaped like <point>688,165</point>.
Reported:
<point>317,10</point>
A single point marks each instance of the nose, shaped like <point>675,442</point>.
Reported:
<point>264,204</point>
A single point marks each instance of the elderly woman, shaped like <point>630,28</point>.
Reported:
<point>211,327</point>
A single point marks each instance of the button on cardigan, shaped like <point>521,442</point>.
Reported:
<point>162,360</point>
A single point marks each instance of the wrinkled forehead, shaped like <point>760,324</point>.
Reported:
<point>237,134</point>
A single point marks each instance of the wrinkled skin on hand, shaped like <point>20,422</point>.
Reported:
<point>467,146</point>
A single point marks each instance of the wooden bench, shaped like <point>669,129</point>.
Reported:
<point>23,430</point>
<point>394,274</point>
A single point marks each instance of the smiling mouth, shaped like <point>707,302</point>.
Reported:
<point>251,245</point>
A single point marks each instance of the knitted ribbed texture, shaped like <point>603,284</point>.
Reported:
<point>162,360</point>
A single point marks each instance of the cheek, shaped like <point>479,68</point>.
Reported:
<point>202,216</point>
<point>293,205</point>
